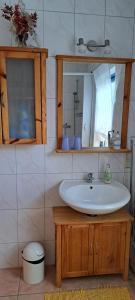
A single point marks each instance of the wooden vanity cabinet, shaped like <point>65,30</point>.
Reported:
<point>87,245</point>
<point>22,95</point>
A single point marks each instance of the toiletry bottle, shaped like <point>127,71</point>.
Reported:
<point>116,142</point>
<point>107,174</point>
<point>110,138</point>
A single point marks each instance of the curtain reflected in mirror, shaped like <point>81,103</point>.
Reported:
<point>92,101</point>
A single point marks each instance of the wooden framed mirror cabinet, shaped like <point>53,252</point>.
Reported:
<point>22,95</point>
<point>93,95</point>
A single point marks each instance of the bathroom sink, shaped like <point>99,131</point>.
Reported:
<point>96,198</point>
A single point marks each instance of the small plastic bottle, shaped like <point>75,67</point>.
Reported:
<point>116,142</point>
<point>107,174</point>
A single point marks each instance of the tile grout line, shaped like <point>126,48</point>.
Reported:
<point>74,28</point>
<point>17,207</point>
<point>18,294</point>
<point>133,39</point>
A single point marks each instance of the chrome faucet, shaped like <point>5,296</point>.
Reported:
<point>90,178</point>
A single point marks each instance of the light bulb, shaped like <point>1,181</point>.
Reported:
<point>81,48</point>
<point>107,50</point>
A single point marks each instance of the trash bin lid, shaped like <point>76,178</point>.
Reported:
<point>33,251</point>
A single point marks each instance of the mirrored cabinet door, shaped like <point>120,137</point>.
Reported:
<point>21,97</point>
<point>93,103</point>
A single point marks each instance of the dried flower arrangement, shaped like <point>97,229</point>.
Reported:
<point>22,23</point>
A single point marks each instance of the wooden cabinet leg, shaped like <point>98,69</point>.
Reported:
<point>58,255</point>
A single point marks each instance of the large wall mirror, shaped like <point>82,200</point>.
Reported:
<point>93,99</point>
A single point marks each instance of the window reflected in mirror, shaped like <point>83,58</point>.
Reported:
<point>92,101</point>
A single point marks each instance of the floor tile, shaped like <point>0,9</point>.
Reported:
<point>100,281</point>
<point>47,285</point>
<point>9,298</point>
<point>9,282</point>
<point>31,297</point>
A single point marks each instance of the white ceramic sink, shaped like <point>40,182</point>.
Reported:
<point>96,198</point>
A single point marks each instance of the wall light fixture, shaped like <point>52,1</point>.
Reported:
<point>92,46</point>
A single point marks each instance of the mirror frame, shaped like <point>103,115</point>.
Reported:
<point>126,97</point>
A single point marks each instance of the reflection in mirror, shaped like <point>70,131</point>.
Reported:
<point>92,101</point>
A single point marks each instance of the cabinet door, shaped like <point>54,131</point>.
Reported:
<point>77,250</point>
<point>21,97</point>
<point>109,248</point>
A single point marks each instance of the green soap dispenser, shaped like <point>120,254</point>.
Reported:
<point>107,174</point>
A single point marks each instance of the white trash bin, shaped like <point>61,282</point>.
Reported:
<point>33,263</point>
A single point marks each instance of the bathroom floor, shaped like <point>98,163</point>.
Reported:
<point>12,287</point>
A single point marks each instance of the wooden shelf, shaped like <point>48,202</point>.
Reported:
<point>94,150</point>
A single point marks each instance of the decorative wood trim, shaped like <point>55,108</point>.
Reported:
<point>21,141</point>
<point>19,49</point>
<point>94,150</point>
<point>5,118</point>
<point>126,101</point>
<point>127,82</point>
<point>20,55</point>
<point>43,97</point>
<point>37,97</point>
<point>59,102</point>
<point>77,58</point>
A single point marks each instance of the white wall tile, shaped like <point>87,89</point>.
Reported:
<point>116,29</point>
<point>5,34</point>
<point>30,225</point>
<point>59,33</point>
<point>49,225</point>
<point>49,252</point>
<point>51,77</point>
<point>51,118</point>
<point>55,162</point>
<point>7,160</point>
<point>52,197</point>
<point>39,30</point>
<point>34,4</point>
<point>89,27</point>
<point>115,176</point>
<point>131,120</point>
<point>116,161</point>
<point>30,159</point>
<point>122,8</point>
<point>134,43</point>
<point>8,192</point>
<point>59,5</point>
<point>84,176</point>
<point>8,226</point>
<point>90,7</point>
<point>132,92</point>
<point>8,255</point>
<point>85,163</point>
<point>2,3</point>
<point>30,190</point>
<point>127,180</point>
